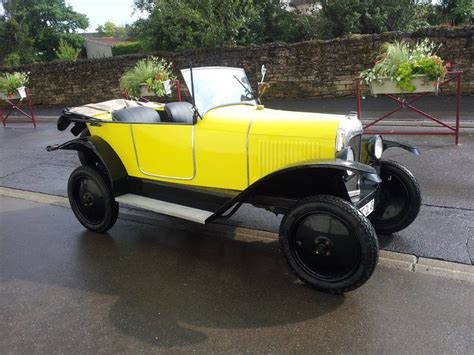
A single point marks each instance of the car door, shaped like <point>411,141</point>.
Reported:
<point>165,150</point>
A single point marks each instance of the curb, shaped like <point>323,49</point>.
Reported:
<point>388,259</point>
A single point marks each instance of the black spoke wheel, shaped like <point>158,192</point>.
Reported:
<point>91,199</point>
<point>399,199</point>
<point>329,244</point>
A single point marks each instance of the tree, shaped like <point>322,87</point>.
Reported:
<point>9,6</point>
<point>343,17</point>
<point>33,28</point>
<point>16,42</point>
<point>67,52</point>
<point>109,29</point>
<point>456,12</point>
<point>185,24</point>
<point>144,5</point>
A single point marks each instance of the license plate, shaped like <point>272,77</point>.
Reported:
<point>368,208</point>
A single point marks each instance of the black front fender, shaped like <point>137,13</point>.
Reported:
<point>368,158</point>
<point>116,172</point>
<point>387,144</point>
<point>310,178</point>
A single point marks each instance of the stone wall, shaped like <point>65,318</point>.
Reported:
<point>306,69</point>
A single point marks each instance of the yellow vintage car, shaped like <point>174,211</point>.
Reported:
<point>202,160</point>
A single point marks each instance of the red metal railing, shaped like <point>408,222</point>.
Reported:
<point>14,104</point>
<point>409,104</point>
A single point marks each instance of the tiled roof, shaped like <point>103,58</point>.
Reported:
<point>107,40</point>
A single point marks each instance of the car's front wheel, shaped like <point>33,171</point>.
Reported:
<point>399,199</point>
<point>92,200</point>
<point>329,244</point>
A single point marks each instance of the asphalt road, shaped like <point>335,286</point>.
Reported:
<point>443,230</point>
<point>144,288</point>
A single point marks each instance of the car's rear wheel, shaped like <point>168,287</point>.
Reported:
<point>399,199</point>
<point>92,200</point>
<point>329,244</point>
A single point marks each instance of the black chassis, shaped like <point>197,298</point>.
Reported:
<point>276,192</point>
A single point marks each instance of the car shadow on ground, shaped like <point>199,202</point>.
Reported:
<point>171,285</point>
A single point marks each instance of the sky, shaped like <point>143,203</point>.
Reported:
<point>119,12</point>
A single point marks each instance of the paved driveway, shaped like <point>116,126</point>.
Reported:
<point>144,288</point>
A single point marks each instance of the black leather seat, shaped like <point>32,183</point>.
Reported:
<point>180,112</point>
<point>137,114</point>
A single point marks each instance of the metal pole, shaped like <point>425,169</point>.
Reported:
<point>358,97</point>
<point>178,89</point>
<point>28,98</point>
<point>458,105</point>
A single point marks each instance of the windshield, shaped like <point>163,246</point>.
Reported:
<point>219,86</point>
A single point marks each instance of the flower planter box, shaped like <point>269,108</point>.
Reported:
<point>145,91</point>
<point>387,86</point>
<point>19,94</point>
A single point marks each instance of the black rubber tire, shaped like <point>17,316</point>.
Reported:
<point>362,232</point>
<point>103,198</point>
<point>398,186</point>
<point>83,157</point>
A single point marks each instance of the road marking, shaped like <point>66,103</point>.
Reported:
<point>388,259</point>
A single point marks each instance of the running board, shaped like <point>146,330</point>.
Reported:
<point>167,208</point>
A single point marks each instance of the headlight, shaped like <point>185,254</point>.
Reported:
<point>340,140</point>
<point>378,147</point>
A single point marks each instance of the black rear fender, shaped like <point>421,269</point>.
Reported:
<point>97,147</point>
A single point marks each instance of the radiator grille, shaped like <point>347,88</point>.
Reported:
<point>276,153</point>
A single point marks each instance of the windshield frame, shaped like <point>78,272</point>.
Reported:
<point>186,73</point>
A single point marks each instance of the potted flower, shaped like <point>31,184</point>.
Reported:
<point>147,78</point>
<point>12,85</point>
<point>404,68</point>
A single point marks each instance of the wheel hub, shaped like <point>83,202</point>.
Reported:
<point>87,199</point>
<point>323,246</point>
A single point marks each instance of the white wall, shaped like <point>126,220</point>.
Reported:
<point>97,50</point>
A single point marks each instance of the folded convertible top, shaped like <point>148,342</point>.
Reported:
<point>90,110</point>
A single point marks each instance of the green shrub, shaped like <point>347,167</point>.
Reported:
<point>12,60</point>
<point>9,82</point>
<point>151,71</point>
<point>66,51</point>
<point>128,48</point>
<point>400,62</point>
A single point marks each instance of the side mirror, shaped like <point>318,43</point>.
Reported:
<point>262,85</point>
<point>264,71</point>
